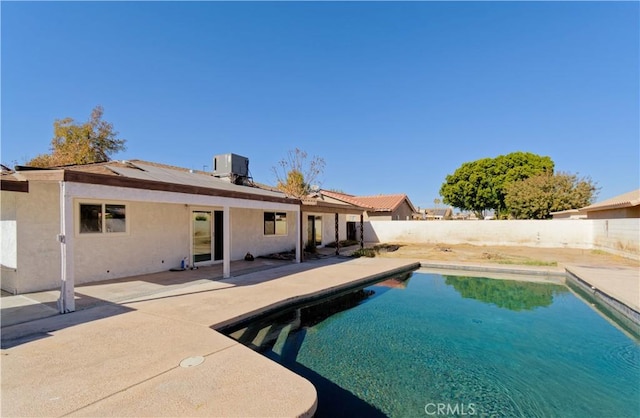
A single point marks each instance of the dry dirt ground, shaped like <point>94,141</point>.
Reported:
<point>531,256</point>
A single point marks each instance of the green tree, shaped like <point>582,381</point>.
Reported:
<point>536,197</point>
<point>508,294</point>
<point>294,175</point>
<point>73,143</point>
<point>479,185</point>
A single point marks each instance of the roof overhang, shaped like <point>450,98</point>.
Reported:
<point>621,205</point>
<point>14,186</point>
<point>133,183</point>
<point>327,207</point>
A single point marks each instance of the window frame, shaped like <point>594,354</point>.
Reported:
<point>103,218</point>
<point>276,218</point>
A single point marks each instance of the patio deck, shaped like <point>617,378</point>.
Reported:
<point>123,359</point>
<point>120,353</point>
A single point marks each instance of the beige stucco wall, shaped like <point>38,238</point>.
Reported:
<point>403,212</point>
<point>247,226</point>
<point>632,212</point>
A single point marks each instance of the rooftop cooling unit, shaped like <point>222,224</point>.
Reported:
<point>231,166</point>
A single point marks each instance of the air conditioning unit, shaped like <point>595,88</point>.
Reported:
<point>231,166</point>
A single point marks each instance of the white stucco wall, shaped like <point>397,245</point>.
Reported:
<point>247,226</point>
<point>541,233</point>
<point>620,236</point>
<point>8,243</point>
<point>37,247</point>
<point>157,240</point>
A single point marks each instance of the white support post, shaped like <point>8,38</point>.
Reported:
<point>66,302</point>
<point>299,235</point>
<point>226,237</point>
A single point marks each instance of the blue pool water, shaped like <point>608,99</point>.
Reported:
<point>438,345</point>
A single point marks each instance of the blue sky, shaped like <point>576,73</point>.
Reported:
<point>393,95</point>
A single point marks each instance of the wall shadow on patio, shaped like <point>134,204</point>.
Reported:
<point>25,332</point>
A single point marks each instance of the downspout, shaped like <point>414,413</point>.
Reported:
<point>66,302</point>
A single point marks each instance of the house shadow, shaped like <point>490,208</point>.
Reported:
<point>33,316</point>
<point>37,328</point>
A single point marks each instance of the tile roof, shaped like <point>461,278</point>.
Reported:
<point>625,200</point>
<point>343,197</point>
<point>379,203</point>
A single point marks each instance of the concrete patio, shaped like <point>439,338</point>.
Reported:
<point>123,359</point>
<point>120,353</point>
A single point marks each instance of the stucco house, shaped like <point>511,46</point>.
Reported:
<point>438,214</point>
<point>83,223</point>
<point>100,221</point>
<point>380,207</point>
<point>626,205</point>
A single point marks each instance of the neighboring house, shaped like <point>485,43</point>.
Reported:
<point>626,205</point>
<point>435,214</point>
<point>569,214</point>
<point>79,224</point>
<point>623,206</point>
<point>381,207</point>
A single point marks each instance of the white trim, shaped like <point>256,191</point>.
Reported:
<point>191,262</point>
<point>66,302</point>
<point>226,246</point>
<point>104,203</point>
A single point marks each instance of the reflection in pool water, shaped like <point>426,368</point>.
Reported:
<point>470,346</point>
<point>509,294</point>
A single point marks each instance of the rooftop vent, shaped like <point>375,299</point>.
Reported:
<point>232,167</point>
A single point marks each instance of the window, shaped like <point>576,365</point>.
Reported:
<point>97,218</point>
<point>275,223</point>
<point>90,218</point>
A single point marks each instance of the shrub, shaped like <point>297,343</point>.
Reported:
<point>364,252</point>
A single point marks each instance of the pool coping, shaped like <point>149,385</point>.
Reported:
<point>584,281</point>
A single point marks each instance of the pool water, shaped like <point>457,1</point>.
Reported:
<point>434,345</point>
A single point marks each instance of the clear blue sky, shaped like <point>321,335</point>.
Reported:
<point>394,96</point>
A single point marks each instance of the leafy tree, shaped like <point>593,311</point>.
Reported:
<point>536,197</point>
<point>508,294</point>
<point>90,142</point>
<point>294,175</point>
<point>479,185</point>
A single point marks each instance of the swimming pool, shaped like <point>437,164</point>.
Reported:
<point>438,345</point>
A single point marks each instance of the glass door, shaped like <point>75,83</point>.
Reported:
<point>201,236</point>
<point>314,230</point>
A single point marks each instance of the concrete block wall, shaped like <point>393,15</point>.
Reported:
<point>620,236</point>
